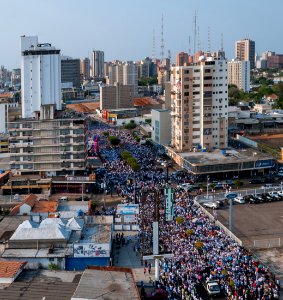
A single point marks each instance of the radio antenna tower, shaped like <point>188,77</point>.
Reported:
<point>153,46</point>
<point>195,34</point>
<point>199,44</point>
<point>162,39</point>
<point>190,45</point>
<point>208,41</point>
<point>222,47</point>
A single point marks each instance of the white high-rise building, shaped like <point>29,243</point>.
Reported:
<point>40,75</point>
<point>239,74</point>
<point>98,64</point>
<point>200,105</point>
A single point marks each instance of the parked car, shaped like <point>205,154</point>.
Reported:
<point>63,198</point>
<point>258,198</point>
<point>84,198</point>
<point>280,193</point>
<point>266,197</point>
<point>253,200</point>
<point>239,200</point>
<point>220,202</point>
<point>213,205</point>
<point>275,195</point>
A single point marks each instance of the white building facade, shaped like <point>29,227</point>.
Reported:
<point>40,75</point>
<point>200,105</point>
<point>239,74</point>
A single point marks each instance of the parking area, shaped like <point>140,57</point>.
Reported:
<point>257,225</point>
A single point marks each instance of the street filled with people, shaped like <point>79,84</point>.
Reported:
<point>202,251</point>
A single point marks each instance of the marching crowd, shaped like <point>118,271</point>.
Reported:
<point>201,249</point>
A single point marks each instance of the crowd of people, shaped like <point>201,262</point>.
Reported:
<point>201,249</point>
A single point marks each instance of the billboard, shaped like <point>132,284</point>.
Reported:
<point>264,163</point>
<point>130,218</point>
<point>169,204</point>
<point>91,250</point>
<point>127,209</point>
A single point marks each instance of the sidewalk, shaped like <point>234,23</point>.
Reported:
<point>126,257</point>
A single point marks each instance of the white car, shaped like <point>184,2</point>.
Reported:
<point>185,186</point>
<point>212,205</point>
<point>239,200</point>
<point>275,195</point>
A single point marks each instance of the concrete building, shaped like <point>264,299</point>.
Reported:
<point>116,96</point>
<point>200,105</point>
<point>40,75</point>
<point>98,64</point>
<point>275,61</point>
<point>70,71</point>
<point>85,68</point>
<point>245,50</point>
<point>161,126</point>
<point>147,68</point>
<point>50,144</point>
<point>182,59</point>
<point>130,75</point>
<point>239,74</point>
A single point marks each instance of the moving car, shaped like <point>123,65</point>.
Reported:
<point>213,205</point>
<point>256,180</point>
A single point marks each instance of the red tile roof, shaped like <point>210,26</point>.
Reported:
<point>30,200</point>
<point>45,206</point>
<point>9,269</point>
<point>15,210</point>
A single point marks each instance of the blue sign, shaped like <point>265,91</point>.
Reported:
<point>264,163</point>
<point>231,195</point>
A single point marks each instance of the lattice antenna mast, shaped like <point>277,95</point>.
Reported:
<point>153,46</point>
<point>190,45</point>
<point>222,46</point>
<point>199,45</point>
<point>162,39</point>
<point>208,41</point>
<point>195,33</point>
<point>169,55</point>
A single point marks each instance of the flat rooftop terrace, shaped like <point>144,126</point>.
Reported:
<point>106,283</point>
<point>96,234</point>
<point>230,156</point>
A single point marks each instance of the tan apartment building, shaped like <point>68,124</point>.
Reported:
<point>239,74</point>
<point>116,96</point>
<point>245,50</point>
<point>199,96</point>
<point>51,144</point>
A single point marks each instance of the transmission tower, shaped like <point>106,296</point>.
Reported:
<point>190,45</point>
<point>195,33</point>
<point>162,39</point>
<point>208,41</point>
<point>153,46</point>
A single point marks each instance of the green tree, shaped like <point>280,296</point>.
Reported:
<point>114,141</point>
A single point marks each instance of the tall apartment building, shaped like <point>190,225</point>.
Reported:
<point>147,68</point>
<point>182,59</point>
<point>40,75</point>
<point>130,75</point>
<point>85,68</point>
<point>116,96</point>
<point>52,144</point>
<point>245,50</point>
<point>239,74</point>
<point>98,64</point>
<point>70,71</point>
<point>200,105</point>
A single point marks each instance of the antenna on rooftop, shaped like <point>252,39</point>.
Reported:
<point>222,47</point>
<point>162,39</point>
<point>199,44</point>
<point>153,46</point>
<point>190,45</point>
<point>195,33</point>
<point>208,41</point>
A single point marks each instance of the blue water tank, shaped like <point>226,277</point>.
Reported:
<point>223,152</point>
<point>80,213</point>
<point>203,150</point>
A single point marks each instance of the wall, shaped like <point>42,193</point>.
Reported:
<point>34,263</point>
<point>79,264</point>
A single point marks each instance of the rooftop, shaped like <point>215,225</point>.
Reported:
<point>9,224</point>
<point>9,269</point>
<point>96,234</point>
<point>109,282</point>
<point>216,157</point>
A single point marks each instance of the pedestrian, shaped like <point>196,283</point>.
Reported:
<point>149,268</point>
<point>144,271</point>
<point>145,263</point>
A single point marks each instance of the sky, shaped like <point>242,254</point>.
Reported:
<point>123,29</point>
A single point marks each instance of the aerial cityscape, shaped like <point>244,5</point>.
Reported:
<point>141,151</point>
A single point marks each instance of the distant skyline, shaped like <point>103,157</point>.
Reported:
<point>123,29</point>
